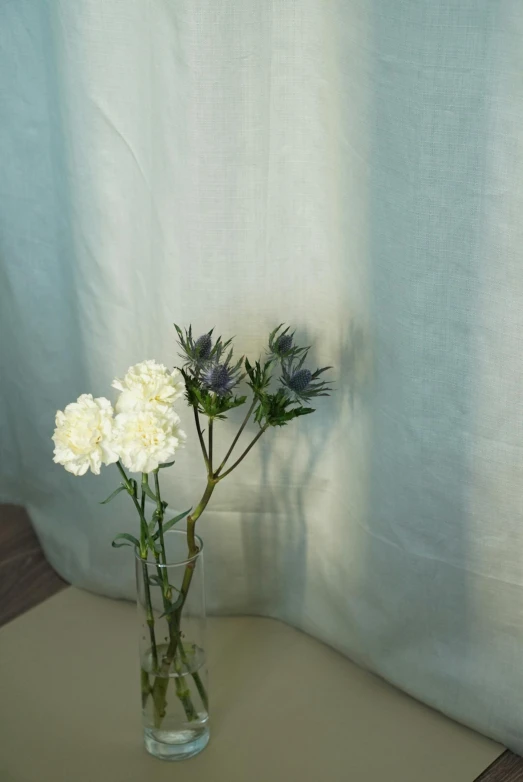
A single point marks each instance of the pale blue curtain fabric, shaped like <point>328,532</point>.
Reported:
<point>353,167</point>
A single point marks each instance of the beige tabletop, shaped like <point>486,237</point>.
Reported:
<point>284,707</point>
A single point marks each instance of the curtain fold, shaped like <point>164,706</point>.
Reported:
<point>352,168</point>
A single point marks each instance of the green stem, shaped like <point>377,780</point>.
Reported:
<point>161,558</point>
<point>131,489</point>
<point>196,677</point>
<point>211,422</point>
<point>200,437</point>
<point>159,688</point>
<point>183,693</point>
<point>244,454</point>
<point>145,686</point>
<point>159,513</point>
<point>238,434</point>
<point>122,472</point>
<point>150,616</point>
<point>142,502</point>
<point>160,685</point>
<point>185,696</point>
<point>147,586</point>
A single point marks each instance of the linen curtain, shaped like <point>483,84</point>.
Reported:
<point>351,167</point>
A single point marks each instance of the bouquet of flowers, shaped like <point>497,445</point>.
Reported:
<point>141,435</point>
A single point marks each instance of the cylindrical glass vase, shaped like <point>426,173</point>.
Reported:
<point>173,667</point>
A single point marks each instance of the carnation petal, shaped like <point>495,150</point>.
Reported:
<point>144,439</point>
<point>83,435</point>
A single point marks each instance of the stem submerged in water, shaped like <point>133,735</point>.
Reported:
<point>173,611</point>
<point>145,686</point>
<point>159,688</point>
<point>173,623</point>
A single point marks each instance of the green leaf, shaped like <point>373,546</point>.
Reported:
<point>284,418</point>
<point>147,489</point>
<point>150,540</point>
<point>168,524</point>
<point>259,376</point>
<point>128,540</point>
<point>273,333</point>
<point>120,488</point>
<point>173,607</point>
<point>276,410</point>
<point>165,464</point>
<point>153,522</point>
<point>159,582</point>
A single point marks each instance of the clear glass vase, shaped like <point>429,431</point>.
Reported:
<point>173,668</point>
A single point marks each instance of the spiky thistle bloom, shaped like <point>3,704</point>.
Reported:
<point>195,352</point>
<point>284,343</point>
<point>281,345</point>
<point>222,377</point>
<point>300,380</point>
<point>303,384</point>
<point>203,346</point>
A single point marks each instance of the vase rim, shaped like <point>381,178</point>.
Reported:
<point>177,562</point>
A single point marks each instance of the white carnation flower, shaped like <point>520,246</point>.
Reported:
<point>145,439</point>
<point>148,386</point>
<point>83,435</point>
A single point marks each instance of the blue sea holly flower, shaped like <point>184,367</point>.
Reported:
<point>221,378</point>
<point>300,380</point>
<point>303,384</point>
<point>195,352</point>
<point>218,378</point>
<point>203,346</point>
<point>281,345</point>
<point>284,343</point>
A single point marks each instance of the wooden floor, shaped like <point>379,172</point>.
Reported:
<point>27,579</point>
<point>507,768</point>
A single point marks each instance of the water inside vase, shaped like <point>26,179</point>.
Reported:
<point>174,708</point>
